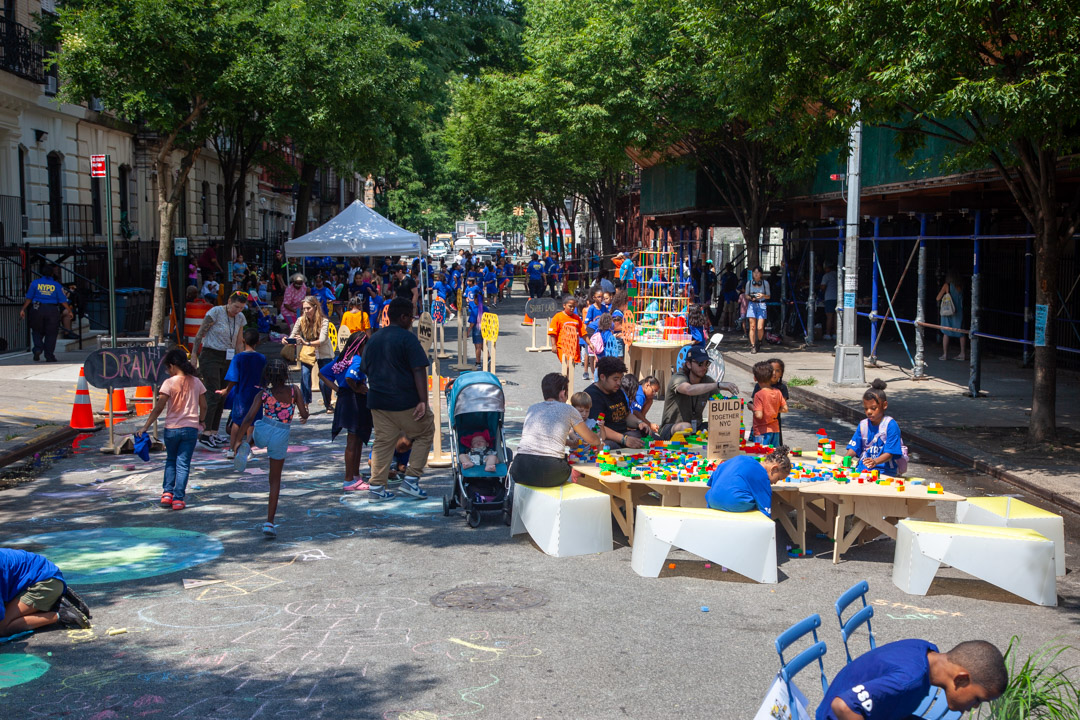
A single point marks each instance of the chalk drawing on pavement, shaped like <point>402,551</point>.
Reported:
<point>16,669</point>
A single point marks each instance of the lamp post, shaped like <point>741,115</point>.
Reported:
<point>848,363</point>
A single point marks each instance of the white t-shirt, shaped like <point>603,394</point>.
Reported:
<point>829,281</point>
<point>223,329</point>
<point>546,427</point>
<point>210,288</point>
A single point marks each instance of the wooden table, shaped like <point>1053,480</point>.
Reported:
<point>876,509</point>
<point>656,358</point>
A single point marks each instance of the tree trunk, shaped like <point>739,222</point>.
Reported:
<point>169,193</point>
<point>751,233</point>
<point>1043,424</point>
<point>303,197</point>
<point>538,207</point>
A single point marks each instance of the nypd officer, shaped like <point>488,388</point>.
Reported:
<point>44,299</point>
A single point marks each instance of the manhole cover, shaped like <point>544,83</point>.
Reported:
<point>489,598</point>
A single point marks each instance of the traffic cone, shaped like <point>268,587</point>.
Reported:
<point>117,401</point>
<point>527,321</point>
<point>82,415</point>
<point>144,400</point>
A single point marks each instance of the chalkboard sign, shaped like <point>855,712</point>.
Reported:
<point>542,308</point>
<point>126,367</point>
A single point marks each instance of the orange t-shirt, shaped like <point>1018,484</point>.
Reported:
<point>356,321</point>
<point>770,403</point>
<point>555,328</point>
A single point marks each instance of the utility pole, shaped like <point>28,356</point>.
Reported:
<point>848,364</point>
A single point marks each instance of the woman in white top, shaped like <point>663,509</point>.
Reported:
<point>541,456</point>
<point>311,334</point>
<point>757,292</point>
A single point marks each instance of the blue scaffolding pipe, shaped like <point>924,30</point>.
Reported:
<point>988,336</point>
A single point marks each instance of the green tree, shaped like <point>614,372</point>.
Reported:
<point>170,81</point>
<point>999,82</point>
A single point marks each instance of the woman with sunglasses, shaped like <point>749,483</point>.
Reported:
<point>294,297</point>
<point>311,334</point>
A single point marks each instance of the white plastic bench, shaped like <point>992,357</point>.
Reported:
<point>742,542</point>
<point>1018,560</point>
<point>1010,512</point>
<point>563,521</point>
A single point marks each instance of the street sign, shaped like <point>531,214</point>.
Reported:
<point>425,331</point>
<point>542,308</point>
<point>180,247</point>
<point>97,166</point>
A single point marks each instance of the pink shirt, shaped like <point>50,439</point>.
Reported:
<point>183,408</point>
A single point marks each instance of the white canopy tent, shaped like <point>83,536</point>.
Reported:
<point>355,232</point>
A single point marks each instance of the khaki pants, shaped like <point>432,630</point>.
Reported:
<point>389,426</point>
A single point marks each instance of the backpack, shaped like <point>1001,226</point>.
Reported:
<point>864,430</point>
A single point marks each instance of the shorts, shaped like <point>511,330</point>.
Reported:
<point>477,336</point>
<point>731,306</point>
<point>830,306</point>
<point>272,435</point>
<point>772,438</point>
<point>43,595</point>
<point>756,310</point>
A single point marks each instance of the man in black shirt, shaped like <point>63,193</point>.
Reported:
<point>622,428</point>
<point>404,286</point>
<point>396,367</point>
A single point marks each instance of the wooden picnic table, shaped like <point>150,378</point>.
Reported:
<point>876,509</point>
<point>656,358</point>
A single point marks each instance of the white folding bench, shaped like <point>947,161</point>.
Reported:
<point>1009,512</point>
<point>567,520</point>
<point>743,542</point>
<point>1018,560</point>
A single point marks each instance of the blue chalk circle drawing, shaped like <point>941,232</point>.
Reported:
<point>107,555</point>
<point>18,669</point>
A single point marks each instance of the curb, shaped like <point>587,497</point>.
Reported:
<point>834,408</point>
<point>42,441</point>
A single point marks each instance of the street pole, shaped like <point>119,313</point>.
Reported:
<point>848,364</point>
<point>109,240</point>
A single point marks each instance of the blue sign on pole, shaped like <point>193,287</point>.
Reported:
<point>1041,314</point>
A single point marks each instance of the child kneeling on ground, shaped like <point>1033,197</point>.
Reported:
<point>892,680</point>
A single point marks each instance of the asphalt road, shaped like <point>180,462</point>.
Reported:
<point>339,616</point>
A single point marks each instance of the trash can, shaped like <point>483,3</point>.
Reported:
<point>97,310</point>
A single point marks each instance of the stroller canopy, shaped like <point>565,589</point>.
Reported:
<point>476,392</point>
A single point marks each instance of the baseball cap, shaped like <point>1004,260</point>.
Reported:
<point>698,354</point>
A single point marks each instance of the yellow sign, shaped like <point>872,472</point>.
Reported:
<point>489,327</point>
<point>332,335</point>
<point>460,308</point>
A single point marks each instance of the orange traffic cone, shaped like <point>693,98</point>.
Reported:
<point>527,321</point>
<point>117,401</point>
<point>144,400</point>
<point>82,415</point>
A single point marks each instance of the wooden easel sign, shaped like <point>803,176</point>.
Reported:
<point>540,309</point>
<point>725,419</point>
<point>489,330</point>
<point>568,347</point>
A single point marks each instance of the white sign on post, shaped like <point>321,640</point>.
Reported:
<point>725,420</point>
<point>425,331</point>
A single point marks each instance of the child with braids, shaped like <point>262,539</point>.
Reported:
<point>351,412</point>
<point>183,399</point>
<point>271,413</point>
<point>877,442</point>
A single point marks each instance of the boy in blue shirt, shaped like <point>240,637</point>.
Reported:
<point>242,379</point>
<point>890,682</point>
<point>475,303</point>
<point>33,594</point>
<point>883,444</point>
<point>491,285</point>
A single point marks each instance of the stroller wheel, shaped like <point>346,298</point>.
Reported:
<point>446,506</point>
<point>474,518</point>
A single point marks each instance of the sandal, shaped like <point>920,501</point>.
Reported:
<point>166,499</point>
<point>269,529</point>
<point>178,505</point>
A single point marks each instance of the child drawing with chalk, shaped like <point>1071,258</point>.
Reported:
<point>271,414</point>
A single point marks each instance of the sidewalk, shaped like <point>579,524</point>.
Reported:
<point>937,414</point>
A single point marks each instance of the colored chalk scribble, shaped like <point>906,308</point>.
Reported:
<point>106,555</point>
<point>17,669</point>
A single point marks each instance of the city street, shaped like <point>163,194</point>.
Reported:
<point>388,611</point>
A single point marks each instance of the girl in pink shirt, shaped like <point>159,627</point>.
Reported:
<point>183,399</point>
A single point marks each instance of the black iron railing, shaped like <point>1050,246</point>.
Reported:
<point>20,53</point>
<point>11,221</point>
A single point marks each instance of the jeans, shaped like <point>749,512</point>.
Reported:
<point>179,445</point>
<point>305,382</point>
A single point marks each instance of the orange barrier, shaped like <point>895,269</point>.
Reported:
<point>194,312</point>
<point>82,415</point>
<point>144,400</point>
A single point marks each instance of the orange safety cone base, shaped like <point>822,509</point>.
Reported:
<point>117,401</point>
<point>144,400</point>
<point>82,415</point>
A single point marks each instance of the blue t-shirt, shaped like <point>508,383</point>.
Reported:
<point>389,359</point>
<point>740,484</point>
<point>638,403</point>
<point>535,270</point>
<point>626,270</point>
<point>887,683</point>
<point>471,291</point>
<point>697,333</point>
<point>475,311</point>
<point>441,289</point>
<point>353,372</point>
<point>19,570</point>
<point>325,296</point>
<point>245,371</point>
<point>47,291</point>
<point>491,282</point>
<point>890,443</point>
<point>592,314</point>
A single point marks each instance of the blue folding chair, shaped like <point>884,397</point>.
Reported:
<point>934,706</point>
<point>790,668</point>
<point>857,619</point>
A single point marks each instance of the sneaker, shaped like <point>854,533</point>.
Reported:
<point>73,597</point>
<point>240,458</point>
<point>269,529</point>
<point>166,499</point>
<point>379,494</point>
<point>207,443</point>
<point>178,505</point>
<point>221,440</point>
<point>37,357</point>
<point>230,454</point>
<point>70,616</point>
<point>411,486</point>
<point>585,376</point>
<point>360,484</point>
<point>394,478</point>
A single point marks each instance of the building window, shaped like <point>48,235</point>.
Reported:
<point>220,210</point>
<point>22,180</point>
<point>182,212</point>
<point>56,193</point>
<point>95,203</point>
<point>206,208</point>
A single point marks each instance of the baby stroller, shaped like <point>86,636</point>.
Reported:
<point>476,404</point>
